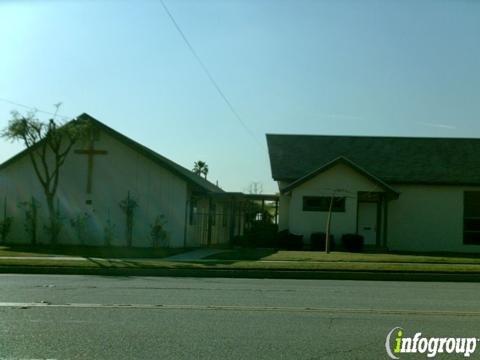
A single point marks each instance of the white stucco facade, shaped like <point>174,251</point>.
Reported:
<point>155,188</point>
<point>339,180</point>
<point>428,218</point>
<point>422,218</point>
<point>156,191</point>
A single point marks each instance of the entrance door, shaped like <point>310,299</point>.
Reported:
<point>367,222</point>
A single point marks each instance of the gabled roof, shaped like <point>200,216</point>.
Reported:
<point>180,171</point>
<point>394,160</point>
<point>340,160</point>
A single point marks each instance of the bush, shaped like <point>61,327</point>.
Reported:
<point>5,227</point>
<point>288,241</point>
<point>240,241</point>
<point>352,242</point>
<point>262,234</point>
<point>317,241</point>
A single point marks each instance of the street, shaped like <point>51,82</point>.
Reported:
<point>92,317</point>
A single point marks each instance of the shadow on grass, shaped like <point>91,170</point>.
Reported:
<point>88,251</point>
<point>243,254</point>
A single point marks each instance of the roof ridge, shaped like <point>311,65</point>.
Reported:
<point>173,166</point>
<point>424,160</point>
<point>194,177</point>
<point>375,136</point>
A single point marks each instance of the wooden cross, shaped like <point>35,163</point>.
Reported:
<point>90,152</point>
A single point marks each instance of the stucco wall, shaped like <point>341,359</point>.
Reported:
<point>428,218</point>
<point>338,177</point>
<point>284,212</point>
<point>156,190</point>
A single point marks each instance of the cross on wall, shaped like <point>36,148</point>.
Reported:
<point>90,152</point>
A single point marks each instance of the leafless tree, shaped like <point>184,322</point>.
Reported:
<point>48,144</point>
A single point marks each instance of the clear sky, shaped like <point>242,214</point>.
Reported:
<point>304,67</point>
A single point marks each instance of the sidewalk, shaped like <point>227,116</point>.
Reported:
<point>194,255</point>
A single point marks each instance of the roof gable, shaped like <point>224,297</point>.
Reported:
<point>180,171</point>
<point>331,164</point>
<point>447,161</point>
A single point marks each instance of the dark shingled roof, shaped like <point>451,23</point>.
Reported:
<point>447,161</point>
<point>194,179</point>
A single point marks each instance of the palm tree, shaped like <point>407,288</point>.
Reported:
<point>200,168</point>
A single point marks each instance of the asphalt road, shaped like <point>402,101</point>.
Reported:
<point>88,317</point>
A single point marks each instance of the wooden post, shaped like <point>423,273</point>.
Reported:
<point>91,152</point>
<point>329,220</point>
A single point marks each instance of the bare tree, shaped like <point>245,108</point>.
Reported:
<point>48,145</point>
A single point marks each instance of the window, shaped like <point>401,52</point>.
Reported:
<point>322,203</point>
<point>471,218</point>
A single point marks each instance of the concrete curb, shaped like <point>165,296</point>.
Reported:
<point>249,273</point>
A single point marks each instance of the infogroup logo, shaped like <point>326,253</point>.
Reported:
<point>397,344</point>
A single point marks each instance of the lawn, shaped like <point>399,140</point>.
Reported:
<point>91,263</point>
<point>339,257</point>
<point>238,259</point>
<point>86,251</point>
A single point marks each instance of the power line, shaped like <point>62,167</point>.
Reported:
<point>209,75</point>
<point>35,109</point>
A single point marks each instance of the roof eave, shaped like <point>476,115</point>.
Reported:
<point>340,159</point>
<point>148,153</point>
<point>132,144</point>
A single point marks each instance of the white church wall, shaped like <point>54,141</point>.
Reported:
<point>283,212</point>
<point>18,184</point>
<point>339,176</point>
<point>283,207</point>
<point>156,190</point>
<point>428,218</point>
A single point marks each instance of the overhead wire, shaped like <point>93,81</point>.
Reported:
<point>35,109</point>
<point>210,76</point>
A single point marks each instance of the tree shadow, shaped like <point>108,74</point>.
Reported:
<point>89,251</point>
<point>251,254</point>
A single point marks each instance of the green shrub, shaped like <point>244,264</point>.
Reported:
<point>158,233</point>
<point>288,241</point>
<point>352,242</point>
<point>317,241</point>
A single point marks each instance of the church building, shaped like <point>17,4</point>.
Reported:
<point>115,191</point>
<point>399,193</point>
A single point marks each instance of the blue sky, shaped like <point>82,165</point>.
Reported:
<point>304,67</point>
